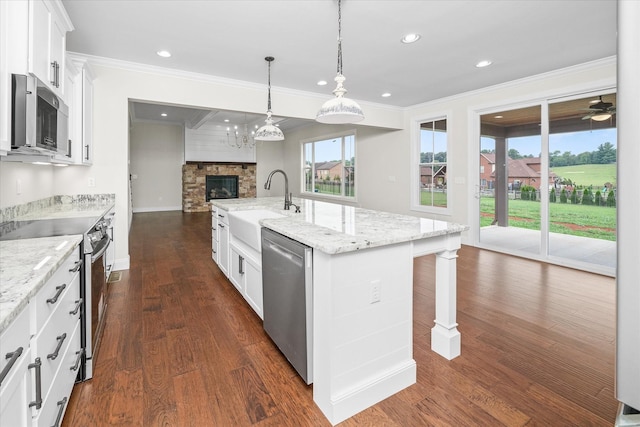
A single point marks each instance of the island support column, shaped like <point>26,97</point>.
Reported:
<point>445,338</point>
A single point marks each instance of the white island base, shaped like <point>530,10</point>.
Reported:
<point>363,322</point>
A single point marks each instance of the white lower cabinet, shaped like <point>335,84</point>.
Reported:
<point>15,387</point>
<point>223,244</point>
<point>45,339</point>
<point>245,272</point>
<point>215,244</point>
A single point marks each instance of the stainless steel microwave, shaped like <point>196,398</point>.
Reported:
<point>39,118</point>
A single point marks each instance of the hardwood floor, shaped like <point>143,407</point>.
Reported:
<point>182,348</point>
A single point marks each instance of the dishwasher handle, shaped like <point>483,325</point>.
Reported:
<point>282,251</point>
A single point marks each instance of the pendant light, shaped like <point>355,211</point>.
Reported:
<point>340,110</point>
<point>269,132</point>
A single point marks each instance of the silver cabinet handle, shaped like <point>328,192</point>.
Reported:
<point>220,216</point>
<point>78,305</point>
<point>13,356</point>
<point>86,157</point>
<point>60,339</point>
<point>76,266</point>
<point>240,264</point>
<point>61,403</point>
<point>59,290</point>
<point>221,225</point>
<point>78,360</point>
<point>38,367</point>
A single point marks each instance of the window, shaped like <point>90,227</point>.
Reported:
<point>432,163</point>
<point>329,166</point>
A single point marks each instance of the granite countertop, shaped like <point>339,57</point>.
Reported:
<point>334,228</point>
<point>25,266</point>
<point>97,209</point>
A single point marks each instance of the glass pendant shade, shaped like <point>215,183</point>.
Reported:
<point>340,110</point>
<point>269,132</point>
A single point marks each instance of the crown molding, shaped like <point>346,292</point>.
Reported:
<point>210,79</point>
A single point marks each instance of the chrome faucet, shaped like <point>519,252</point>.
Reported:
<point>287,195</point>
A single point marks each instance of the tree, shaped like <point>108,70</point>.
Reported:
<point>611,199</point>
<point>563,196</point>
<point>598,199</point>
<point>514,154</point>
<point>574,197</point>
<point>587,197</point>
<point>552,195</point>
<point>605,154</point>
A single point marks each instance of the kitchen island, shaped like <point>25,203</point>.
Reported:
<point>363,295</point>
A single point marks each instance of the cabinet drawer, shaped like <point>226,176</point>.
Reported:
<point>56,400</point>
<point>52,342</point>
<point>13,338</point>
<point>222,217</point>
<point>50,296</point>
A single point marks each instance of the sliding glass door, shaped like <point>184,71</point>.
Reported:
<point>547,181</point>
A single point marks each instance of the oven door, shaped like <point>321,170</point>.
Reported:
<point>96,299</point>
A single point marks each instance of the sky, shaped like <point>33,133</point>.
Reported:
<point>574,142</point>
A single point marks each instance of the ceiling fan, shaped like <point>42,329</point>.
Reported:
<point>600,111</point>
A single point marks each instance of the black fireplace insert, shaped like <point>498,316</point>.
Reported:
<point>221,187</point>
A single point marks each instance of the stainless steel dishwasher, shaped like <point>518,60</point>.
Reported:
<point>287,299</point>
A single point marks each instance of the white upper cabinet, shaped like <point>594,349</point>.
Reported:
<point>79,98</point>
<point>48,26</point>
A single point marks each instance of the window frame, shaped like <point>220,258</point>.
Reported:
<point>320,138</point>
<point>415,163</point>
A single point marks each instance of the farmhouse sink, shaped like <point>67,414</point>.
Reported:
<point>245,226</point>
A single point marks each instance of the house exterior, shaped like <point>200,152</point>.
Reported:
<point>431,179</point>
<point>328,170</point>
<point>524,171</point>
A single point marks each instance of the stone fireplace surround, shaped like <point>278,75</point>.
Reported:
<point>194,176</point>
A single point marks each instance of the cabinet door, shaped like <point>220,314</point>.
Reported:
<point>87,117</point>
<point>253,286</point>
<point>236,269</point>
<point>39,33</point>
<point>223,253</point>
<point>5,80</point>
<point>15,387</point>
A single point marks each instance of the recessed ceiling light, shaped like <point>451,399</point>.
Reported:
<point>498,117</point>
<point>410,38</point>
<point>164,53</point>
<point>226,120</point>
<point>386,95</point>
<point>163,114</point>
<point>322,83</point>
<point>483,63</point>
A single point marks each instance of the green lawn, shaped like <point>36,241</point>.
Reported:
<point>597,222</point>
<point>586,175</point>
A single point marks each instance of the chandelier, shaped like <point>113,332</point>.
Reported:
<point>340,109</point>
<point>238,139</point>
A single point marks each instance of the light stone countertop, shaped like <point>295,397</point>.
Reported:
<point>95,209</point>
<point>19,279</point>
<point>334,228</point>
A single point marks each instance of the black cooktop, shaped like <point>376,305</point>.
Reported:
<point>14,230</point>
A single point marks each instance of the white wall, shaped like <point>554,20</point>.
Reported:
<point>157,156</point>
<point>383,155</point>
<point>117,83</point>
<point>22,183</point>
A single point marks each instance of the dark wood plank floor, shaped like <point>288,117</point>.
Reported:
<point>182,348</point>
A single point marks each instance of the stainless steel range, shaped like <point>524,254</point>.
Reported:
<point>97,237</point>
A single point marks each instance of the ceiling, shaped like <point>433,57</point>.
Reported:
<point>230,39</point>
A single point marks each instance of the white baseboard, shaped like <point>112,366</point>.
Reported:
<point>157,209</point>
<point>121,264</point>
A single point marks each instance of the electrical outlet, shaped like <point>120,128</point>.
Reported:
<point>375,291</point>
<point>92,182</point>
